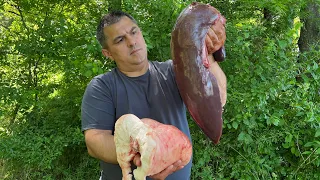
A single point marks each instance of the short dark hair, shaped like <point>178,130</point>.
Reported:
<point>107,20</point>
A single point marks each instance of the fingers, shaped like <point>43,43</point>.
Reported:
<point>219,29</point>
<point>177,166</point>
<point>216,35</point>
<point>169,170</point>
<point>137,159</point>
<point>212,41</point>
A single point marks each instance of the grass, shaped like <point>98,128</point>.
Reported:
<point>3,173</point>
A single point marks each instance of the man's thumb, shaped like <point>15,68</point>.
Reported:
<point>137,160</point>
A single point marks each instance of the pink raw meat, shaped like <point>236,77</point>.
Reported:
<point>159,145</point>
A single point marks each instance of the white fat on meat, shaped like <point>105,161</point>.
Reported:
<point>159,145</point>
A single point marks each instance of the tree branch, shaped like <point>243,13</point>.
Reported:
<point>5,27</point>
<point>35,78</point>
<point>21,17</point>
<point>14,13</point>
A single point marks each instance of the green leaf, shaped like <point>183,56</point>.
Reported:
<point>286,145</point>
<point>88,73</point>
<point>288,138</point>
<point>315,66</point>
<point>95,69</point>
<point>246,35</point>
<point>241,136</point>
<point>88,65</point>
<point>307,152</point>
<point>275,121</point>
<point>235,125</point>
<point>317,133</point>
<point>282,44</point>
<point>309,144</point>
<point>216,154</point>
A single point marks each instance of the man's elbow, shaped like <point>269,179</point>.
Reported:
<point>89,141</point>
<point>90,152</point>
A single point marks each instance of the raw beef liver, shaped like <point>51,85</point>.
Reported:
<point>196,79</point>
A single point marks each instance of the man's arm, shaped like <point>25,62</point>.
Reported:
<point>100,144</point>
<point>215,39</point>
<point>221,78</point>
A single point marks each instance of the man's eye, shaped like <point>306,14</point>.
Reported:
<point>134,32</point>
<point>119,40</point>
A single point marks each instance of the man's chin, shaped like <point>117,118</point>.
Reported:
<point>140,61</point>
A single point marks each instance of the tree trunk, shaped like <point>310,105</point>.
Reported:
<point>14,114</point>
<point>114,5</point>
<point>310,32</point>
<point>267,16</point>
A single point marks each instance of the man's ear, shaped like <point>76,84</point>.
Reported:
<point>107,54</point>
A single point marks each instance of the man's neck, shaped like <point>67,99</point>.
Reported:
<point>137,71</point>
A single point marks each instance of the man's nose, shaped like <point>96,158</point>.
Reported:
<point>131,41</point>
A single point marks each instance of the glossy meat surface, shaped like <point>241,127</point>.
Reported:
<point>197,85</point>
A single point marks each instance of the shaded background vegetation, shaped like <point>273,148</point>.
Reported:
<point>48,54</point>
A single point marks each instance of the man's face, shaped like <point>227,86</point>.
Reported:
<point>125,44</point>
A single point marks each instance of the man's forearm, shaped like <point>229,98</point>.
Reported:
<point>101,145</point>
<point>221,79</point>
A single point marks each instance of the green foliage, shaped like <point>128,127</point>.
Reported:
<point>48,54</point>
<point>51,54</point>
<point>271,119</point>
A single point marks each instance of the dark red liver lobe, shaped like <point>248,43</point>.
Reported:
<point>197,85</point>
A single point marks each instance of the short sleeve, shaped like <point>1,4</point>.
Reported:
<point>171,70</point>
<point>97,108</point>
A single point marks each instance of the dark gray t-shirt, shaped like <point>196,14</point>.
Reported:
<point>153,95</point>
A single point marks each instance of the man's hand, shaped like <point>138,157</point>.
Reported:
<point>163,174</point>
<point>216,35</point>
<point>169,170</point>
<point>136,160</point>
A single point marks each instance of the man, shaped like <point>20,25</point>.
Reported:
<point>137,86</point>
